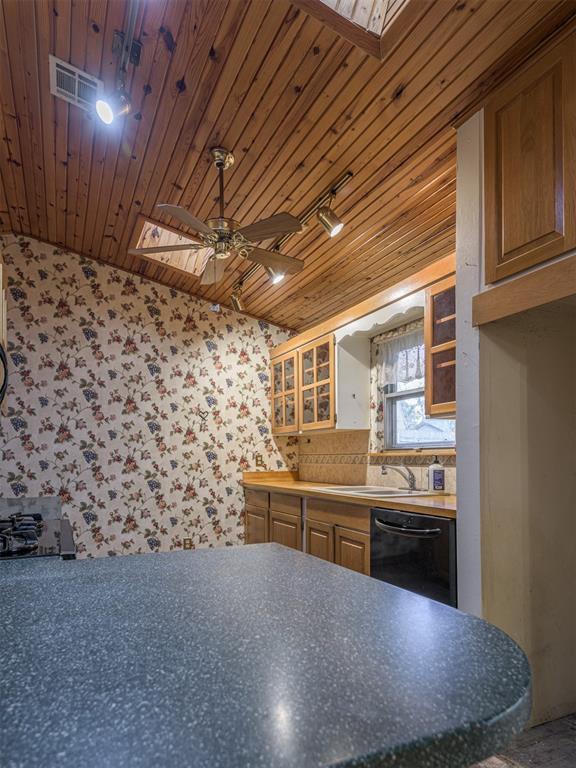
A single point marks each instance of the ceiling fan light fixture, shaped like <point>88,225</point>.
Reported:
<point>330,221</point>
<point>109,108</point>
<point>236,301</point>
<point>275,275</point>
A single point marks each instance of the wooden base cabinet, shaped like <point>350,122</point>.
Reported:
<point>286,529</point>
<point>320,540</point>
<point>256,525</point>
<point>352,549</point>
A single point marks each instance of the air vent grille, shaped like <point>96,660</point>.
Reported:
<point>73,85</point>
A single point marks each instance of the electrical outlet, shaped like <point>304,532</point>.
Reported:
<point>259,460</point>
<point>187,543</point>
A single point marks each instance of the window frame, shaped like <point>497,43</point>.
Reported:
<point>391,399</point>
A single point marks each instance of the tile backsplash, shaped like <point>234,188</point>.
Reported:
<point>343,458</point>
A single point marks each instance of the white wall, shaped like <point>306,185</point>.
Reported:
<point>528,492</point>
<point>469,258</point>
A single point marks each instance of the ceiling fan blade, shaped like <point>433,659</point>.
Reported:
<point>275,226</point>
<point>278,261</point>
<point>165,249</point>
<point>177,212</point>
<point>213,271</point>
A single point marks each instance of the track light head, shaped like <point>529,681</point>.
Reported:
<point>275,275</point>
<point>236,301</point>
<point>111,107</point>
<point>329,220</point>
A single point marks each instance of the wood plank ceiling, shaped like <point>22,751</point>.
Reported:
<point>297,104</point>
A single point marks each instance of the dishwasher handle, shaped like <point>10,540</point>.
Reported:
<point>415,533</point>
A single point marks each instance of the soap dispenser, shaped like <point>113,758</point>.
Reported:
<point>436,476</point>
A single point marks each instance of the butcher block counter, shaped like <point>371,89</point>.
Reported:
<point>333,525</point>
<point>288,483</point>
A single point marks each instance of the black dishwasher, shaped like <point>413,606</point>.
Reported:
<point>415,552</point>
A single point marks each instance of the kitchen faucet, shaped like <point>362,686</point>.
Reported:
<point>405,472</point>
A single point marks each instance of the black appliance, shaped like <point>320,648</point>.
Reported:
<point>3,373</point>
<point>30,534</point>
<point>416,552</point>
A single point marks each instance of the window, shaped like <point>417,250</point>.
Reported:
<point>398,363</point>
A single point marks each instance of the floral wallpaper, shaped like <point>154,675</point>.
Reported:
<point>138,406</point>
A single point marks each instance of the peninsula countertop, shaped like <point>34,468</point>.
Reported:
<point>443,505</point>
<point>245,656</point>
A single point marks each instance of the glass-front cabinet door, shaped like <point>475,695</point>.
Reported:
<point>284,394</point>
<point>440,343</point>
<point>317,384</point>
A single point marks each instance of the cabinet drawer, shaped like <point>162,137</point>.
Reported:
<point>256,525</point>
<point>256,498</point>
<point>352,549</point>
<point>286,529</point>
<point>339,513</point>
<point>283,502</point>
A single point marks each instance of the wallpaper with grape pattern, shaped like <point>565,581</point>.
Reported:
<point>138,406</point>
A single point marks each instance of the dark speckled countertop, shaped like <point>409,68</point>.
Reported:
<point>244,656</point>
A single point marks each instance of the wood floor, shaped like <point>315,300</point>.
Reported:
<point>552,745</point>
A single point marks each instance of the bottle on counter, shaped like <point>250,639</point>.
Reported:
<point>436,472</point>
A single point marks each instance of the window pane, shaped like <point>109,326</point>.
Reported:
<point>289,374</point>
<point>308,407</point>
<point>322,354</point>
<point>278,377</point>
<point>308,367</point>
<point>412,428</point>
<point>278,412</point>
<point>290,411</point>
<point>323,403</point>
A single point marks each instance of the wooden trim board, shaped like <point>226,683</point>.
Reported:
<point>417,282</point>
<point>546,284</point>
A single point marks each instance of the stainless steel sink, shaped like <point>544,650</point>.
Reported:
<point>372,490</point>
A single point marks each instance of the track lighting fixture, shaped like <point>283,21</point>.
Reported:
<point>321,208</point>
<point>329,220</point>
<point>275,275</point>
<point>236,301</point>
<point>110,107</point>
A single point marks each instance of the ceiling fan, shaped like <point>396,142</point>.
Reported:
<point>222,238</point>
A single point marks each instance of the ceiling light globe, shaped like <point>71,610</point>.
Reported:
<point>330,221</point>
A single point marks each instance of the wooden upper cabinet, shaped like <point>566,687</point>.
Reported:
<point>317,384</point>
<point>440,348</point>
<point>530,165</point>
<point>284,374</point>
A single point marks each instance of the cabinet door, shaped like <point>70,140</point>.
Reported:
<point>286,529</point>
<point>352,549</point>
<point>529,162</point>
<point>284,375</point>
<point>320,540</point>
<point>256,525</point>
<point>317,384</point>
<point>440,345</point>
